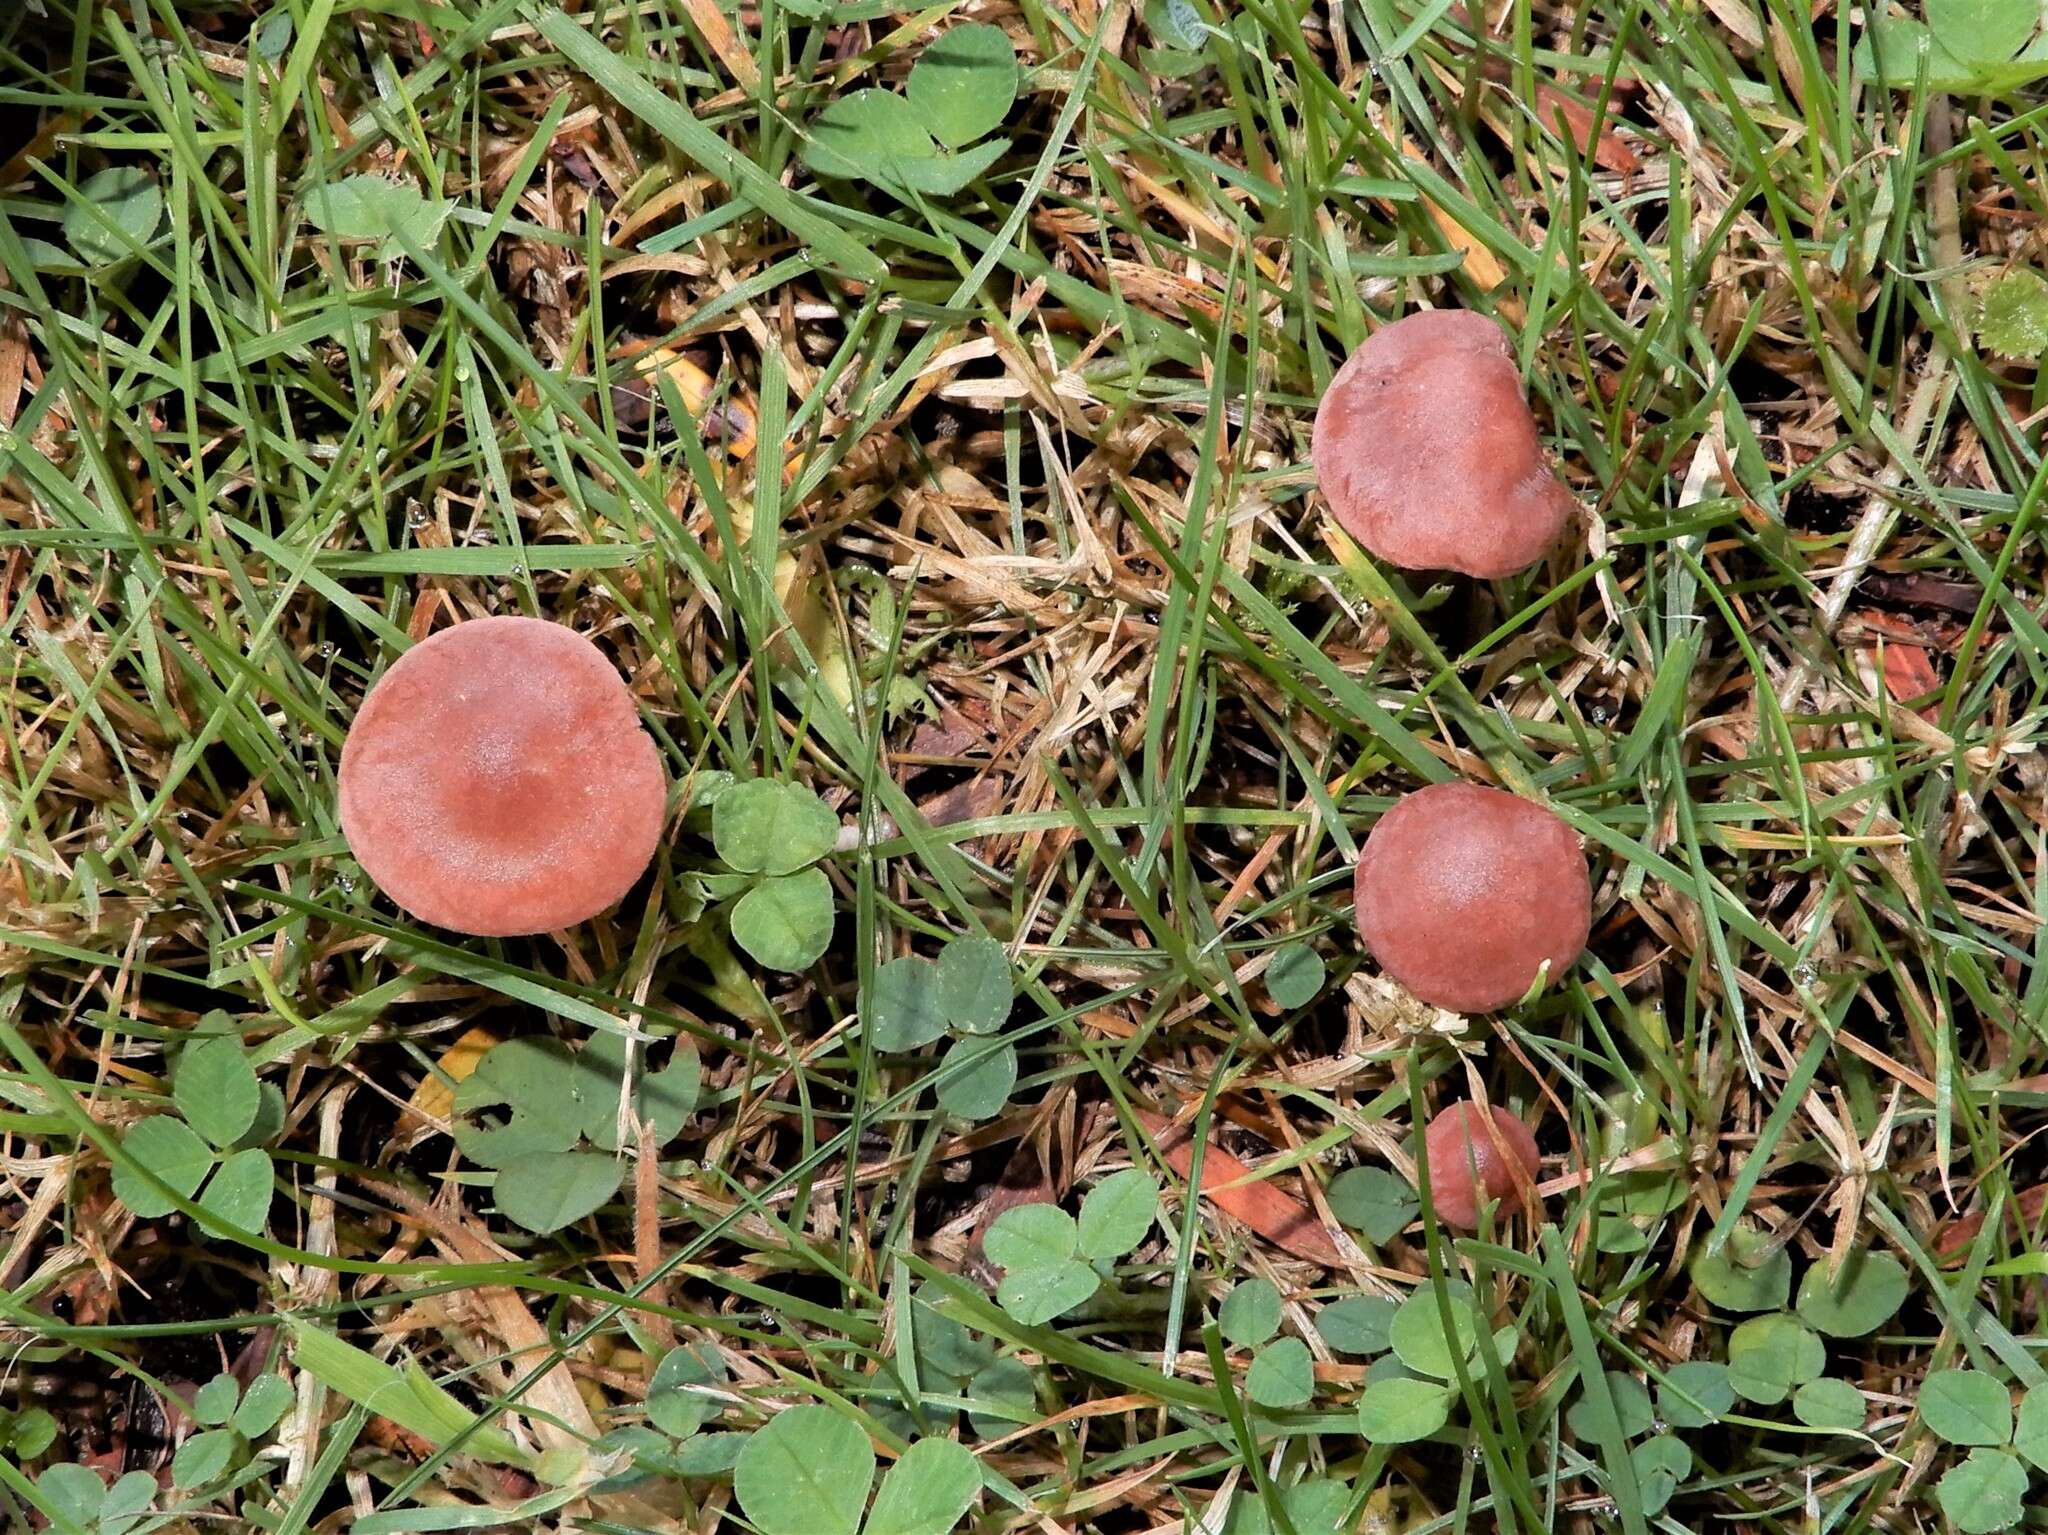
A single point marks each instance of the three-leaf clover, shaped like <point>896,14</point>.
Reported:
<point>1051,1262</point>
<point>1282,1373</point>
<point>222,1112</point>
<point>1769,1357</point>
<point>923,143</point>
<point>555,1147</point>
<point>808,1471</point>
<point>774,834</point>
<point>967,992</point>
<point>76,1494</point>
<point>230,1419</point>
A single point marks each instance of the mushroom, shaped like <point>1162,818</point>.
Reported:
<point>497,781</point>
<point>1462,893</point>
<point>1474,1157</point>
<point>1427,451</point>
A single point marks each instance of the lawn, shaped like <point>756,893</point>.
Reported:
<point>983,1113</point>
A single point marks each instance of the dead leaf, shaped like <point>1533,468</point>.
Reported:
<point>433,1101</point>
<point>1279,1217</point>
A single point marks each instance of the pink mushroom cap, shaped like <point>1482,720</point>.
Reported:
<point>497,781</point>
<point>1460,1142</point>
<point>1462,893</point>
<point>1426,449</point>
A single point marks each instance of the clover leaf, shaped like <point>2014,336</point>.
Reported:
<point>215,1090</point>
<point>532,1106</point>
<point>1035,1245</point>
<point>923,143</point>
<point>1964,45</point>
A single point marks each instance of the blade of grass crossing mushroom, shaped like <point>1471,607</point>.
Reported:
<point>675,123</point>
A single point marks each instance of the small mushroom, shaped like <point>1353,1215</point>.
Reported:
<point>497,781</point>
<point>1462,893</point>
<point>1426,448</point>
<point>1495,1146</point>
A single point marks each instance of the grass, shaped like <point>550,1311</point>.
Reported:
<point>1009,549</point>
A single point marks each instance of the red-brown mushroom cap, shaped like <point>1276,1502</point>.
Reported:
<point>1462,893</point>
<point>1426,449</point>
<point>1460,1141</point>
<point>496,780</point>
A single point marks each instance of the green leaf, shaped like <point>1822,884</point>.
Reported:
<point>708,1454</point>
<point>805,1472</point>
<point>75,1492</point>
<point>238,1196</point>
<point>980,1088</point>
<point>263,1407</point>
<point>126,1502</point>
<point>2030,1437</point>
<point>369,207</point>
<point>1864,1296</point>
<point>931,1485</point>
<point>537,1079</point>
<point>1829,1403</point>
<point>28,1433</point>
<point>1631,1406</point>
<point>976,985</point>
<point>1769,1355</point>
<point>269,1121</point>
<point>1418,1336</point>
<point>943,1347</point>
<point>672,1406</point>
<point>1358,1324</point>
<point>786,923</point>
<point>963,85</point>
<point>1282,1374</point>
<point>1746,1275</point>
<point>1007,1396</point>
<point>1035,1296</point>
<point>1893,46</point>
<point>1402,1411</point>
<point>215,1089</point>
<point>1250,1313</point>
<point>202,1458</point>
<point>172,1152</point>
<point>1660,1465</point>
<point>1982,31</point>
<point>1374,1202</point>
<point>2012,315</point>
<point>1034,1236</point>
<point>1986,1492</point>
<point>125,196</point>
<point>1967,1407</point>
<point>943,175</point>
<point>1294,975</point>
<point>1177,24</point>
<point>764,826</point>
<point>902,1007</point>
<point>548,1190</point>
<point>668,1097</point>
<point>866,135</point>
<point>214,1403</point>
<point>1118,1213</point>
<point>1695,1394</point>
